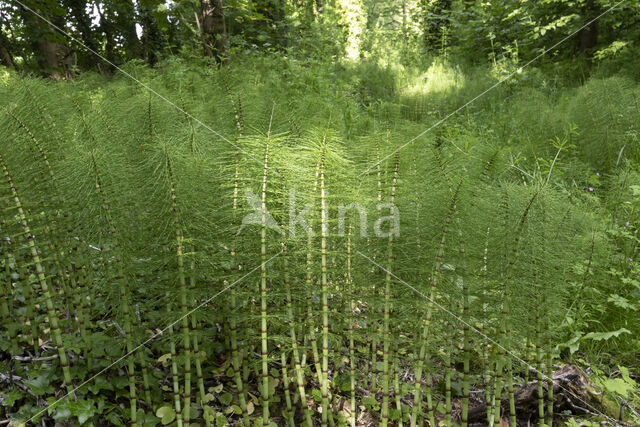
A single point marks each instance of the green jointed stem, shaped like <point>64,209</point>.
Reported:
<point>374,358</point>
<point>352,367</point>
<point>539,361</point>
<point>447,376</point>
<point>499,349</point>
<point>174,372</point>
<point>196,349</point>
<point>396,383</point>
<point>486,358</point>
<point>387,300</point>
<point>51,313</point>
<point>511,391</point>
<point>309,286</point>
<point>236,360</point>
<point>182,286</point>
<point>505,332</point>
<point>34,331</point>
<point>294,341</point>
<point>549,366</point>
<point>287,393</point>
<point>488,384</point>
<point>374,324</point>
<point>145,372</point>
<point>497,391</point>
<point>448,371</point>
<point>324,212</point>
<point>548,345</point>
<point>52,229</point>
<point>379,170</point>
<point>427,322</point>
<point>466,345</point>
<point>365,369</point>
<point>233,319</point>
<point>7,290</point>
<point>123,290</point>
<point>263,287</point>
<point>198,361</point>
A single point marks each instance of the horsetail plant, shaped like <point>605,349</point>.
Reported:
<point>387,298</point>
<point>52,229</point>
<point>427,322</point>
<point>506,308</point>
<point>352,322</point>
<point>123,288</point>
<point>297,370</point>
<point>174,371</point>
<point>539,355</point>
<point>182,287</point>
<point>233,320</point>
<point>263,282</point>
<point>466,345</point>
<point>324,231</point>
<point>44,287</point>
<point>287,394</point>
<point>309,285</point>
<point>196,349</point>
<point>294,342</point>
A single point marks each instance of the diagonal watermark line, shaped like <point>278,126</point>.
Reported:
<point>209,128</point>
<point>152,337</point>
<point>488,338</point>
<point>465,105</point>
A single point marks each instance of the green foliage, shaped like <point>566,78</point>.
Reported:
<point>495,217</point>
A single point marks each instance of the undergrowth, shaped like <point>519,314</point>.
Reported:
<point>155,264</point>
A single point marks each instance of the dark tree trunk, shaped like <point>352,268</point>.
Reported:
<point>588,36</point>
<point>126,21</point>
<point>48,58</point>
<point>152,42</point>
<point>214,32</point>
<point>6,58</point>
<point>106,28</point>
<point>46,43</point>
<point>83,24</point>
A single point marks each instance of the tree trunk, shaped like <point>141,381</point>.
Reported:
<point>48,58</point>
<point>214,32</point>
<point>45,42</point>
<point>588,36</point>
<point>106,27</point>
<point>126,21</point>
<point>151,37</point>
<point>83,24</point>
<point>5,56</point>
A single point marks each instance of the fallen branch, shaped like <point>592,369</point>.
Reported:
<point>35,359</point>
<point>17,381</point>
<point>569,385</point>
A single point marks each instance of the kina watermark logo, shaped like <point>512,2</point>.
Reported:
<point>387,216</point>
